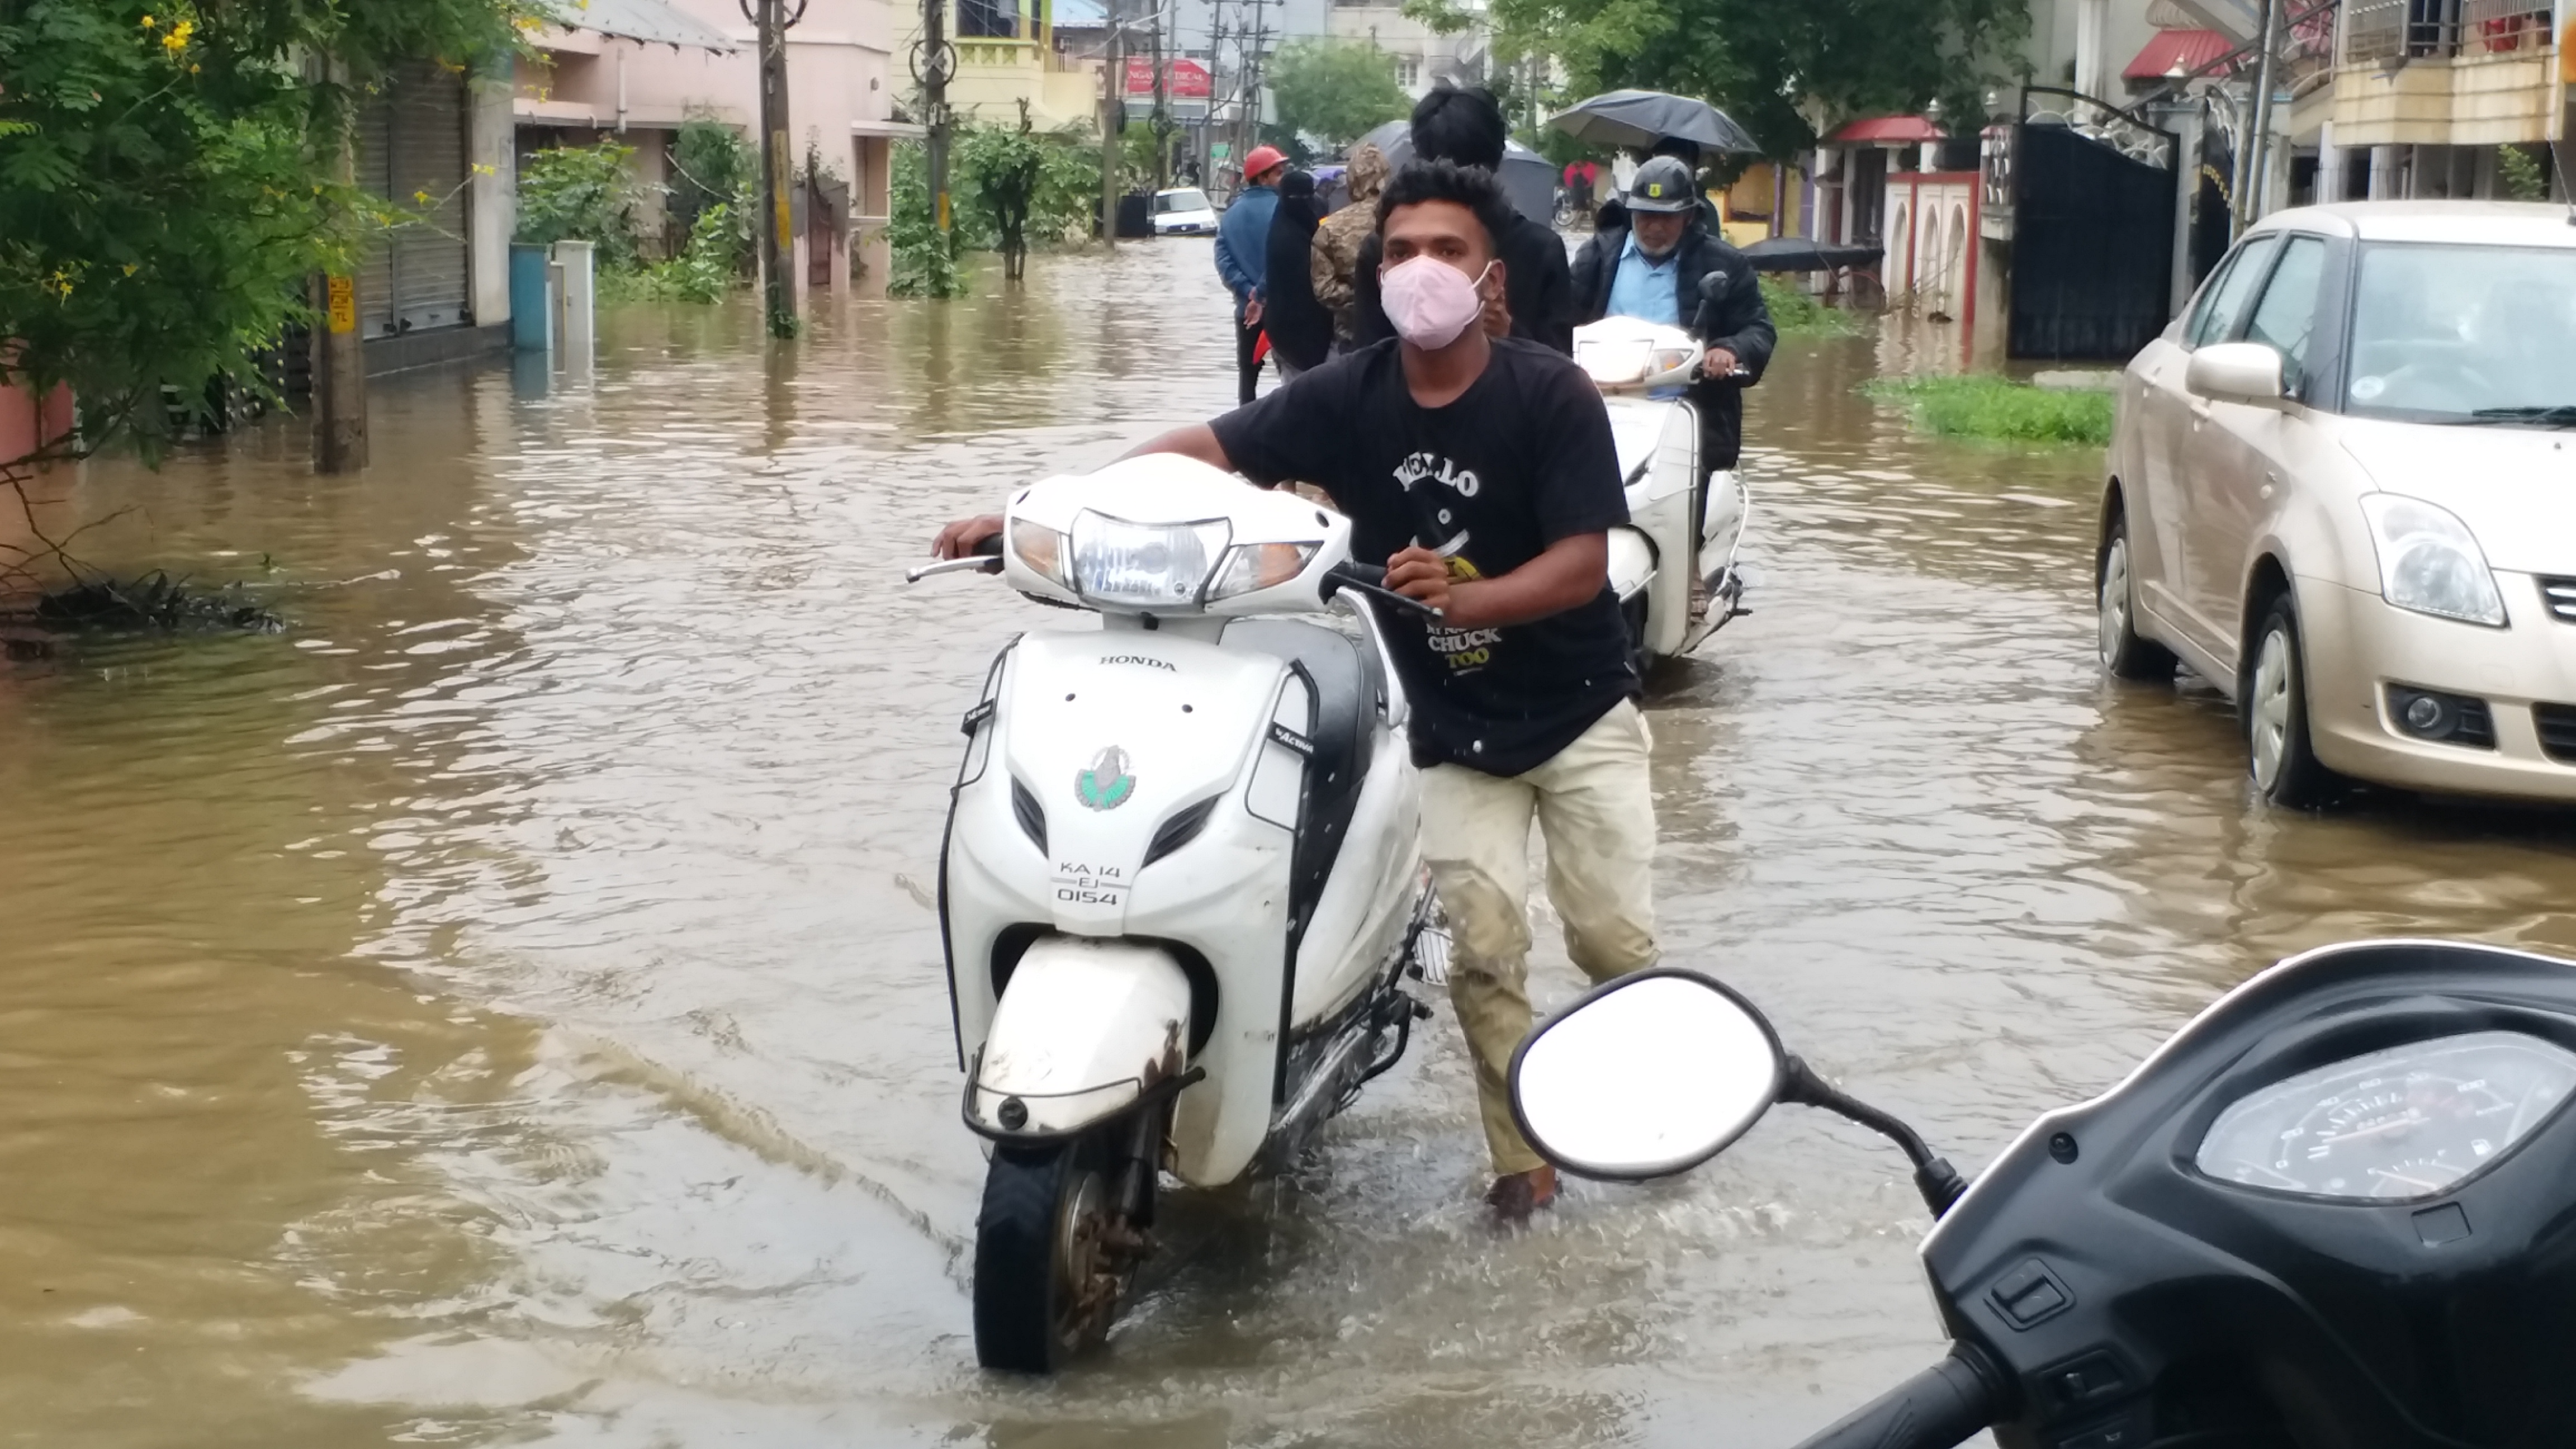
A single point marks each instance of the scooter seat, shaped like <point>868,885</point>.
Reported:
<point>1350,690</point>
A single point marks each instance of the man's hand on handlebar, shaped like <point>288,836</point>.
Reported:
<point>1420,575</point>
<point>1718,362</point>
<point>958,540</point>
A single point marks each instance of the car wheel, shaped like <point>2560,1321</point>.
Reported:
<point>2282,758</point>
<point>2115,598</point>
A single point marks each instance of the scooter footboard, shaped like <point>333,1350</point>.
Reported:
<point>1084,1029</point>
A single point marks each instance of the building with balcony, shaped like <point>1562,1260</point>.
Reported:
<point>2423,93</point>
<point>1048,53</point>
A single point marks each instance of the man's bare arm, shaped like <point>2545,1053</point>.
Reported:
<point>1565,576</point>
<point>1198,440</point>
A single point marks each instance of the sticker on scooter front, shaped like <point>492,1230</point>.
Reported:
<point>1107,784</point>
<point>1081,885</point>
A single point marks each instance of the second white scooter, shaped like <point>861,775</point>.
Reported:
<point>1657,557</point>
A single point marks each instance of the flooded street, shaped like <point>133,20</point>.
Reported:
<point>507,1007</point>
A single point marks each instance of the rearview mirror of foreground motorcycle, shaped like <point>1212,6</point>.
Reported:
<point>1649,1075</point>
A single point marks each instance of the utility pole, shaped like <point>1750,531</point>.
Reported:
<point>2258,169</point>
<point>1113,108</point>
<point>933,63</point>
<point>1213,125</point>
<point>339,351</point>
<point>1162,123</point>
<point>777,164</point>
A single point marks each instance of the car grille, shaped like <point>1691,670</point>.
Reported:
<point>2557,724</point>
<point>2561,597</point>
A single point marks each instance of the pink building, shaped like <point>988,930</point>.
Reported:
<point>634,70</point>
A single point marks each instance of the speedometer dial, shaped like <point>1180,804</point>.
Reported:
<point>2393,1125</point>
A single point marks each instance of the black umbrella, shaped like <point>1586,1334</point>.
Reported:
<point>1805,254</point>
<point>1639,119</point>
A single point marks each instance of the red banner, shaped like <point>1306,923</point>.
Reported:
<point>1183,80</point>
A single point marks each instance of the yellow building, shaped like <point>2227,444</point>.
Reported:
<point>1010,51</point>
<point>2424,91</point>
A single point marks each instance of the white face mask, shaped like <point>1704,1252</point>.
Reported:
<point>1431,302</point>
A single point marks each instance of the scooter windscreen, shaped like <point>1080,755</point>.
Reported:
<point>2339,1208</point>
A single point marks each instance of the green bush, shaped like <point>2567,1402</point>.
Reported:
<point>1798,314</point>
<point>712,165</point>
<point>582,193</point>
<point>925,260</point>
<point>704,271</point>
<point>1998,408</point>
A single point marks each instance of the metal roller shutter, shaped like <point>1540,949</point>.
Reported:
<point>411,143</point>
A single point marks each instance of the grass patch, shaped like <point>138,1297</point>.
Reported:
<point>1997,408</point>
<point>1797,314</point>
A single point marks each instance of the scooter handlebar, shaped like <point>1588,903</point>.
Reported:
<point>1939,1408</point>
<point>1370,579</point>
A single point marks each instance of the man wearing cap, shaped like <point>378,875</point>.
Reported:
<point>1653,266</point>
<point>1242,245</point>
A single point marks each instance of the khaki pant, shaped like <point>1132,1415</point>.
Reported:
<point>1596,811</point>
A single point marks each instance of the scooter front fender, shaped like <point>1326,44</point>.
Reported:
<point>1084,1029</point>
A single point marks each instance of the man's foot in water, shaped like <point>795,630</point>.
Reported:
<point>1514,1196</point>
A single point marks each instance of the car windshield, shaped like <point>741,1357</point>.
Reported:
<point>1180,201</point>
<point>2465,335</point>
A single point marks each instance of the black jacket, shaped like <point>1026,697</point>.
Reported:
<point>1299,327</point>
<point>1535,288</point>
<point>1738,321</point>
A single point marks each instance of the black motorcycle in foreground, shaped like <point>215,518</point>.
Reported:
<point>2336,1211</point>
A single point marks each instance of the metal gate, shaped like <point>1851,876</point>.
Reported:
<point>2093,231</point>
<point>412,144</point>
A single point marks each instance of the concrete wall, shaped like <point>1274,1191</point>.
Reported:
<point>491,198</point>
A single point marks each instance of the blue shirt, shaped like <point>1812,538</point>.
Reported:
<point>1646,288</point>
<point>1243,243</point>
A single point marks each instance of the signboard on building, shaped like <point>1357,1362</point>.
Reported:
<point>1183,80</point>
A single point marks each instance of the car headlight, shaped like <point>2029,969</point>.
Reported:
<point>1252,566</point>
<point>2429,562</point>
<point>1040,549</point>
<point>1144,565</point>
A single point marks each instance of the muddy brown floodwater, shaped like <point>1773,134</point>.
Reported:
<point>507,1007</point>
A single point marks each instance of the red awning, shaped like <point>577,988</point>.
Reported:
<point>1886,131</point>
<point>2187,49</point>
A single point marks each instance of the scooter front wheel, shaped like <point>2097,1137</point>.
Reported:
<point>1049,1264</point>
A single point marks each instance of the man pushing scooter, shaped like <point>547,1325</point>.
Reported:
<point>1482,470</point>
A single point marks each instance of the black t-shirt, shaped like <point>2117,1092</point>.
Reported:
<point>1520,461</point>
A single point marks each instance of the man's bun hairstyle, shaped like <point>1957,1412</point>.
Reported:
<point>1464,125</point>
<point>1472,187</point>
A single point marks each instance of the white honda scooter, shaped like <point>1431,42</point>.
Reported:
<point>1182,883</point>
<point>1655,558</point>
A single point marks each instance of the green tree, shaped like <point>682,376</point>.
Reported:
<point>166,187</point>
<point>1335,90</point>
<point>1771,64</point>
<point>712,165</point>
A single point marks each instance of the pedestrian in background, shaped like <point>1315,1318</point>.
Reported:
<point>1339,239</point>
<point>1301,331</point>
<point>1466,128</point>
<point>1242,251</point>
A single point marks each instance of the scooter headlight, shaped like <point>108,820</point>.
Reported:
<point>2429,562</point>
<point>1144,565</point>
<point>1040,549</point>
<point>1614,360</point>
<point>1253,566</point>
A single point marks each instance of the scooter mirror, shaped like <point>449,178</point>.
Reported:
<point>1649,1075</point>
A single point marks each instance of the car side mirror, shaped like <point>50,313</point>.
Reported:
<point>2238,372</point>
<point>1649,1075</point>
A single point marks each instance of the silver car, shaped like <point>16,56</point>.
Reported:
<point>2343,489</point>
